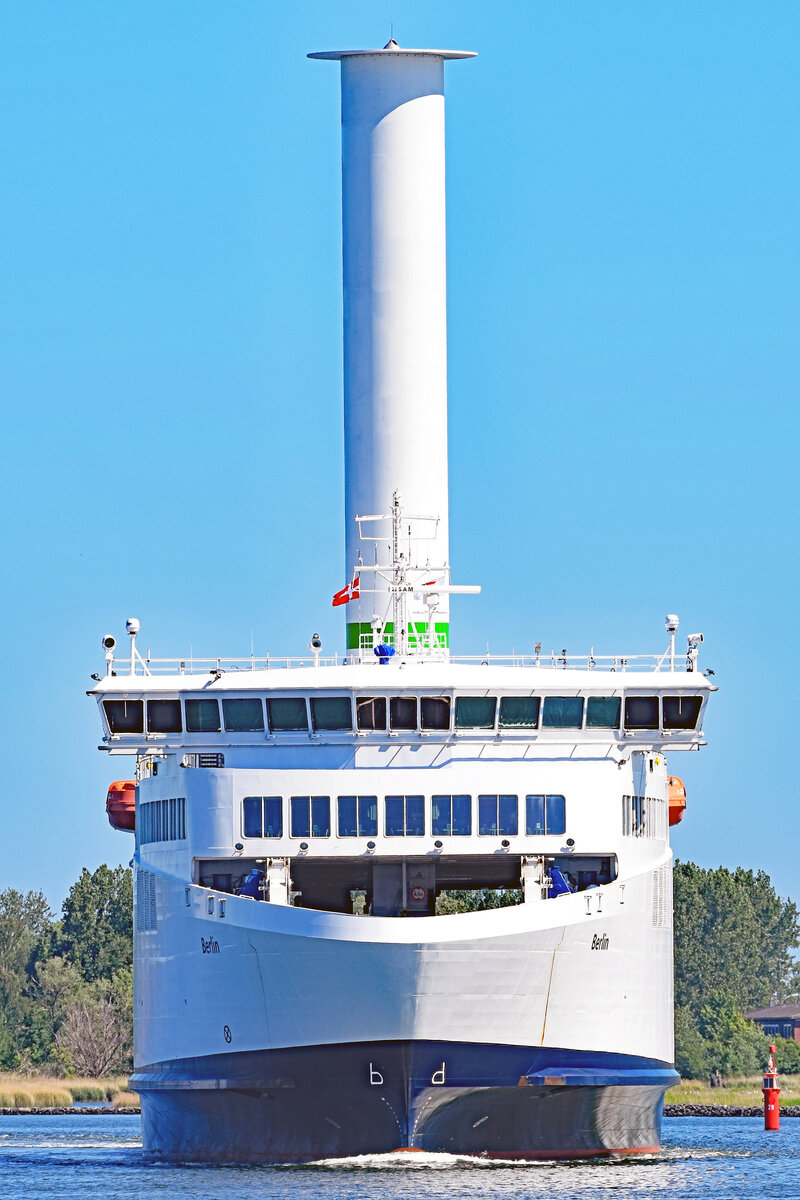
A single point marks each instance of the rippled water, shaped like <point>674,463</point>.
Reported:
<point>726,1158</point>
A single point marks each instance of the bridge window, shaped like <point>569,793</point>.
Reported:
<point>545,814</point>
<point>202,716</point>
<point>125,716</point>
<point>497,816</point>
<point>331,712</point>
<point>641,712</point>
<point>243,716</point>
<point>405,816</point>
<point>681,712</point>
<point>435,712</point>
<point>164,716</point>
<point>288,716</point>
<point>403,712</point>
<point>602,712</point>
<point>371,712</point>
<point>311,816</point>
<point>263,816</point>
<point>562,712</point>
<point>519,711</point>
<point>475,712</point>
<point>358,816</point>
<point>451,816</point>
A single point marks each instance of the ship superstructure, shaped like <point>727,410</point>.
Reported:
<point>303,987</point>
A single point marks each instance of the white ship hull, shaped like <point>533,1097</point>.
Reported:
<point>276,1033</point>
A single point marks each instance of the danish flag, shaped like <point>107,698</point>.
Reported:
<point>347,593</point>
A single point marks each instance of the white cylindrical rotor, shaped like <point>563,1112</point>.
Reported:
<point>395,326</point>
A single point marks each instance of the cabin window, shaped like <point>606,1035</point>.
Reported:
<point>243,716</point>
<point>602,712</point>
<point>331,712</point>
<point>475,712</point>
<point>435,712</point>
<point>288,715</point>
<point>403,712</point>
<point>545,814</point>
<point>562,712</point>
<point>161,820</point>
<point>125,716</point>
<point>519,711</point>
<point>263,816</point>
<point>405,816</point>
<point>641,712</point>
<point>202,716</point>
<point>451,816</point>
<point>497,816</point>
<point>311,816</point>
<point>681,712</point>
<point>164,716</point>
<point>371,712</point>
<point>358,816</point>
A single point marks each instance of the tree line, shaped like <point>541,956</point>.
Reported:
<point>66,983</point>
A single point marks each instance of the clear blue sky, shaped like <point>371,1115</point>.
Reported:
<point>624,258</point>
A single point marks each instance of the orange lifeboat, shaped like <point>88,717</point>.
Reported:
<point>121,805</point>
<point>677,799</point>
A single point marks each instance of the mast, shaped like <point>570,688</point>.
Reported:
<point>395,329</point>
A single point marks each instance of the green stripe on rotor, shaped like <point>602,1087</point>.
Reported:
<point>357,629</point>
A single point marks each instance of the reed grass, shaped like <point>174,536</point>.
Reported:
<point>16,1098</point>
<point>125,1100</point>
<point>742,1091</point>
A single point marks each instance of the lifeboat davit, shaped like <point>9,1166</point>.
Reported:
<point>677,799</point>
<point>121,805</point>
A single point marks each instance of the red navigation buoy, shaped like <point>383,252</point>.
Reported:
<point>772,1094</point>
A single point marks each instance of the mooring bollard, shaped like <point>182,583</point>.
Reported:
<point>772,1094</point>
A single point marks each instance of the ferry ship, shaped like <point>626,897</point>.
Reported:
<point>305,987</point>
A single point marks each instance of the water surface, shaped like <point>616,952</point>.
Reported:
<point>100,1158</point>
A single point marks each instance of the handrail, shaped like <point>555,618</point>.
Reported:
<point>629,663</point>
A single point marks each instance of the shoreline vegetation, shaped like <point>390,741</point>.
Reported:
<point>66,987</point>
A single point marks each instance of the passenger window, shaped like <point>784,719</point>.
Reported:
<point>519,711</point>
<point>331,712</point>
<point>641,712</point>
<point>287,716</point>
<point>164,716</point>
<point>263,816</point>
<point>681,712</point>
<point>202,716</point>
<point>358,816</point>
<point>475,712</point>
<point>125,716</point>
<point>497,815</point>
<point>311,816</point>
<point>545,814</point>
<point>403,712</point>
<point>405,816</point>
<point>435,712</point>
<point>252,816</point>
<point>371,712</point>
<point>562,712</point>
<point>602,712</point>
<point>451,816</point>
<point>243,716</point>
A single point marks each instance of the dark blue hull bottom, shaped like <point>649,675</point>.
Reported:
<point>317,1102</point>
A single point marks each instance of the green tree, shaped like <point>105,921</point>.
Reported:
<point>24,924</point>
<point>97,927</point>
<point>731,931</point>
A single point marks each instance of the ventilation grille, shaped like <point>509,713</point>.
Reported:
<point>145,901</point>
<point>662,898</point>
<point>203,760</point>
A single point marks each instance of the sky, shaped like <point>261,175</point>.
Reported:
<point>623,264</point>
